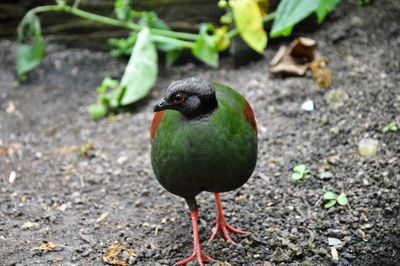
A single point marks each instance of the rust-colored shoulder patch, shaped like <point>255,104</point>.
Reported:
<point>154,125</point>
<point>249,115</point>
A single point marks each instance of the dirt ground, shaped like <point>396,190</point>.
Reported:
<point>85,202</point>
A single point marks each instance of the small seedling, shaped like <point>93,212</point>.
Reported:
<point>391,127</point>
<point>300,173</point>
<point>331,199</point>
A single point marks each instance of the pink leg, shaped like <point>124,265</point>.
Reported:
<point>198,254</point>
<point>221,226</point>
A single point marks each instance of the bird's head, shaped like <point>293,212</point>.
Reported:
<point>192,97</point>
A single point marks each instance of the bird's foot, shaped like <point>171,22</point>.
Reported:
<point>199,256</point>
<point>223,228</point>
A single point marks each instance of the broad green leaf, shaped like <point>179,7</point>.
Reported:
<point>248,20</point>
<point>204,48</point>
<point>29,56</point>
<point>342,199</point>
<point>122,9</point>
<point>330,203</point>
<point>329,195</point>
<point>296,176</point>
<point>30,51</point>
<point>300,168</point>
<point>325,7</point>
<point>289,13</point>
<point>141,71</point>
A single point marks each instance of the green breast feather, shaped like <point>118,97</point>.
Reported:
<point>216,153</point>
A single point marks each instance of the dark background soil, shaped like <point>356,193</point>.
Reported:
<point>62,193</point>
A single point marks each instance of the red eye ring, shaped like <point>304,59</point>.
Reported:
<point>179,98</point>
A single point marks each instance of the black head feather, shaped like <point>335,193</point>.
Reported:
<point>192,97</point>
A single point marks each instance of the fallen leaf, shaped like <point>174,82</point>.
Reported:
<point>321,74</point>
<point>283,63</point>
<point>303,48</point>
<point>298,58</point>
<point>46,247</point>
<point>111,255</point>
<point>293,60</point>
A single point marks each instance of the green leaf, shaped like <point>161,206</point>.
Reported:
<point>151,20</point>
<point>107,84</point>
<point>329,195</point>
<point>141,71</point>
<point>172,56</point>
<point>330,203</point>
<point>29,56</point>
<point>392,127</point>
<point>300,168</point>
<point>123,46</point>
<point>204,48</point>
<point>342,199</point>
<point>97,111</point>
<point>122,9</point>
<point>60,2</point>
<point>289,13</point>
<point>325,7</point>
<point>296,176</point>
<point>248,20</point>
<point>30,51</point>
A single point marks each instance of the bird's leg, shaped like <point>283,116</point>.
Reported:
<point>198,253</point>
<point>221,226</point>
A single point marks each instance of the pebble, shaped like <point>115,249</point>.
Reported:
<point>368,147</point>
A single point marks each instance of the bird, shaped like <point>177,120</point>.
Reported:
<point>203,138</point>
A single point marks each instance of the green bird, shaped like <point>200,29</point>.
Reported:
<point>203,138</point>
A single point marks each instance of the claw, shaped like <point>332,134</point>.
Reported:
<point>198,254</point>
<point>221,226</point>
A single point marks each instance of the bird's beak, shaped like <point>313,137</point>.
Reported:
<point>160,105</point>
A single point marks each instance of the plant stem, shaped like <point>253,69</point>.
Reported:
<point>112,22</point>
<point>233,33</point>
<point>164,39</point>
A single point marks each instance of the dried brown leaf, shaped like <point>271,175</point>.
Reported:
<point>322,75</point>
<point>111,255</point>
<point>303,47</point>
<point>298,58</point>
<point>293,60</point>
<point>46,247</point>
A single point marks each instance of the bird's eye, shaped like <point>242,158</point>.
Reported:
<point>179,98</point>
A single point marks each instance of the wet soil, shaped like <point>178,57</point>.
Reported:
<point>85,201</point>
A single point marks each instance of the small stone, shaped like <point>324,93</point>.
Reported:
<point>307,106</point>
<point>12,177</point>
<point>122,159</point>
<point>325,175</point>
<point>368,147</point>
<point>336,98</point>
<point>279,255</point>
<point>335,254</point>
<point>334,241</point>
